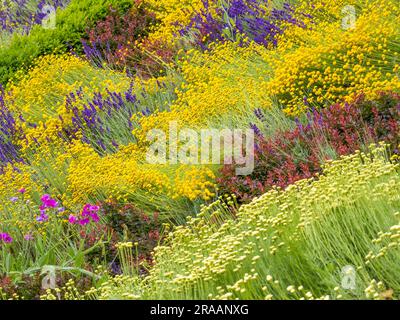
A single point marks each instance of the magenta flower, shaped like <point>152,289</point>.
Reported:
<point>48,202</point>
<point>22,190</point>
<point>95,217</point>
<point>5,237</point>
<point>84,222</point>
<point>45,198</point>
<point>94,208</point>
<point>89,213</point>
<point>43,217</point>
<point>28,237</point>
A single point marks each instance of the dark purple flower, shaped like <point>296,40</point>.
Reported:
<point>9,131</point>
<point>259,114</point>
<point>101,116</point>
<point>25,14</point>
<point>256,130</point>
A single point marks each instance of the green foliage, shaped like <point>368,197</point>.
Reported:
<point>71,25</point>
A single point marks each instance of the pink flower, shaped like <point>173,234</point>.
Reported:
<point>45,197</point>
<point>84,222</point>
<point>43,217</point>
<point>91,211</point>
<point>95,217</point>
<point>94,208</point>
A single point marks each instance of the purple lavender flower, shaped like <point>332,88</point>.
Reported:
<point>256,130</point>
<point>43,217</point>
<point>259,114</point>
<point>103,119</point>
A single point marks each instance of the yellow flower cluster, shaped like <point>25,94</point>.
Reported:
<point>218,256</point>
<point>386,241</point>
<point>220,88</point>
<point>74,171</point>
<point>378,291</point>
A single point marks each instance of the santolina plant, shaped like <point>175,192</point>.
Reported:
<point>86,213</point>
<point>323,135</point>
